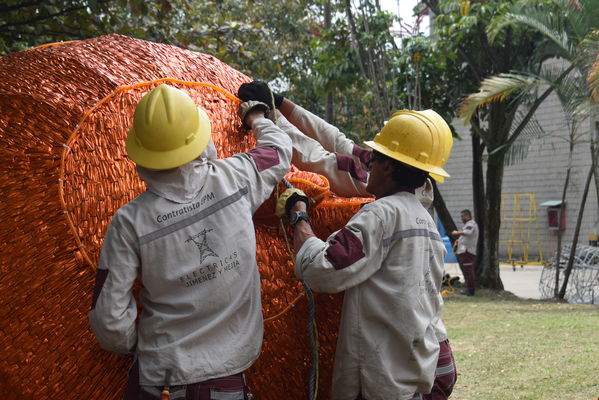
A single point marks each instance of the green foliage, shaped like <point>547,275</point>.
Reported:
<point>497,89</point>
<point>334,66</point>
<point>285,43</point>
<point>566,33</point>
<point>266,40</point>
<point>424,62</point>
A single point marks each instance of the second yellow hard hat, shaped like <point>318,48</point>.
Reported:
<point>421,139</point>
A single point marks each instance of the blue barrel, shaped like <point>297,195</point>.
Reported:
<point>450,257</point>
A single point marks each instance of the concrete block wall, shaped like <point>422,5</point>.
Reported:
<point>542,173</point>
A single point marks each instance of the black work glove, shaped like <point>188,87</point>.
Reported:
<point>259,91</point>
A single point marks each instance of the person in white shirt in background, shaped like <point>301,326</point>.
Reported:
<point>467,241</point>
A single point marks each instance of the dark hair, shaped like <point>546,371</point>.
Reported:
<point>403,174</point>
<point>466,211</point>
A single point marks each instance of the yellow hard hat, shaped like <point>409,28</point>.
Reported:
<point>447,137</point>
<point>168,129</point>
<point>416,138</point>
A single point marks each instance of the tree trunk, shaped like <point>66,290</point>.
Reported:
<point>559,238</point>
<point>559,216</point>
<point>478,196</point>
<point>366,60</point>
<point>594,136</point>
<point>359,49</point>
<point>489,269</point>
<point>568,270</point>
<point>443,212</point>
<point>329,102</point>
<point>500,118</point>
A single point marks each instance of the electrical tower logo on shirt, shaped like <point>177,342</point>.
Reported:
<point>200,240</point>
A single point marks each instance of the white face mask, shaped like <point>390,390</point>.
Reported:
<point>210,152</point>
<point>181,184</point>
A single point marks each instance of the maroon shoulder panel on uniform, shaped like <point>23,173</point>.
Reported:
<point>365,155</point>
<point>264,157</point>
<point>347,163</point>
<point>344,249</point>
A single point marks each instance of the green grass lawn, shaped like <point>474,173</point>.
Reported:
<point>508,348</point>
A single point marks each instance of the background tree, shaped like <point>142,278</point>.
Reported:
<point>461,29</point>
<point>567,32</point>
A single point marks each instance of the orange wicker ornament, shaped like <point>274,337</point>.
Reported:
<point>64,114</point>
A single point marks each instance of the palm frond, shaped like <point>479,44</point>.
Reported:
<point>519,150</point>
<point>589,54</point>
<point>570,89</point>
<point>496,88</point>
<point>552,71</point>
<point>583,108</point>
<point>548,25</point>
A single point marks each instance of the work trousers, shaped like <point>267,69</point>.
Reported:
<point>417,396</point>
<point>229,388</point>
<point>466,261</point>
<point>445,374</point>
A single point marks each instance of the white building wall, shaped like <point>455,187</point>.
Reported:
<point>542,173</point>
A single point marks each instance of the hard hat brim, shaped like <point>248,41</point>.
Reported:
<point>173,158</point>
<point>437,178</point>
<point>436,172</point>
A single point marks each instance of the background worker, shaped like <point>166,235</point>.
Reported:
<point>467,241</point>
<point>321,148</point>
<point>190,237</point>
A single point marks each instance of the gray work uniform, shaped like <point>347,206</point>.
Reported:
<point>379,316</point>
<point>202,315</point>
<point>389,260</point>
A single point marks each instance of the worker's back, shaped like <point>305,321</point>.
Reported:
<point>200,293</point>
<point>388,320</point>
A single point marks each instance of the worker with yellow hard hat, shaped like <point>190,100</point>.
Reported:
<point>190,239</point>
<point>388,258</point>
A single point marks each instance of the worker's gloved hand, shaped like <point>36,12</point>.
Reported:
<point>287,199</point>
<point>249,107</point>
<point>259,91</point>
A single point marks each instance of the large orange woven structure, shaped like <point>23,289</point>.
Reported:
<point>64,112</point>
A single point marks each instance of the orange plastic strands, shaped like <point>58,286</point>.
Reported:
<point>336,202</point>
<point>172,80</point>
<point>289,307</point>
<point>76,133</point>
<point>290,254</point>
<point>41,46</point>
<point>319,192</point>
